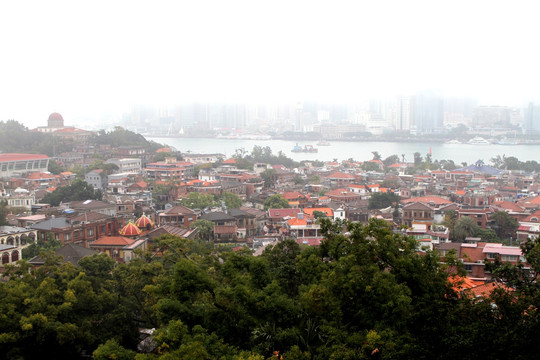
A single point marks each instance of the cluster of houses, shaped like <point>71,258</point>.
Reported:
<point>131,214</point>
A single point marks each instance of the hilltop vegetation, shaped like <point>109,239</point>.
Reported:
<point>15,137</point>
<point>368,296</point>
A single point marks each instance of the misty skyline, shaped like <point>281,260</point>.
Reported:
<point>87,60</point>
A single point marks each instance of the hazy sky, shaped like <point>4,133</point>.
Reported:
<point>95,57</point>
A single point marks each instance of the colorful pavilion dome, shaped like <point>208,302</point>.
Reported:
<point>144,222</point>
<point>130,230</point>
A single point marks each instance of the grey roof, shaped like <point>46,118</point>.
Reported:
<point>58,223</point>
<point>240,213</point>
<point>6,247</point>
<point>7,229</point>
<point>170,230</point>
<point>71,253</point>
<point>479,167</point>
<point>178,209</point>
<point>90,204</point>
<point>217,216</point>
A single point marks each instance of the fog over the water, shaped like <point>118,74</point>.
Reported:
<point>358,150</point>
<point>93,60</point>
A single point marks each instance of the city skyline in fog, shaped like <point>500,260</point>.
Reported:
<point>97,60</point>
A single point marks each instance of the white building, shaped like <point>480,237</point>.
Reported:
<point>127,165</point>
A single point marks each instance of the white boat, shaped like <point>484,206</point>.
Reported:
<point>478,140</point>
<point>507,141</point>
<point>323,143</point>
<point>453,142</point>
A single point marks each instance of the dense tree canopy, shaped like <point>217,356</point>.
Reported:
<point>122,137</point>
<point>232,201</point>
<point>276,201</point>
<point>196,200</point>
<point>380,200</point>
<point>79,190</point>
<point>364,293</point>
<point>15,137</point>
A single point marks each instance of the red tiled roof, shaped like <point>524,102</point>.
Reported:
<point>428,199</point>
<point>39,175</point>
<point>225,229</point>
<point>293,195</point>
<point>113,241</point>
<point>281,213</point>
<point>21,157</point>
<point>341,192</point>
<point>533,200</point>
<point>340,175</point>
<point>508,205</point>
<point>309,241</point>
<point>326,210</point>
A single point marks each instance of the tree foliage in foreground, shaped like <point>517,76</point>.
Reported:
<point>364,293</point>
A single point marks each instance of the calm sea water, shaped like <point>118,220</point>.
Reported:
<point>359,151</point>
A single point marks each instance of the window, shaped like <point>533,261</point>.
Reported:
<point>468,267</point>
<point>509,257</point>
<point>67,236</point>
<point>492,255</point>
<point>90,232</point>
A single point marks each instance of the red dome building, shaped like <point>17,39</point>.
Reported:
<point>55,120</point>
<point>130,230</point>
<point>144,223</point>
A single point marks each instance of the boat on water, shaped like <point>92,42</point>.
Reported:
<point>478,140</point>
<point>306,149</point>
<point>453,142</point>
<point>507,141</point>
<point>323,143</point>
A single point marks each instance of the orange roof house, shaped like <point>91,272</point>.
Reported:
<point>325,210</point>
<point>427,200</point>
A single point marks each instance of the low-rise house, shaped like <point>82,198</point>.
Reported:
<point>97,178</point>
<point>245,221</point>
<point>276,217</point>
<point>126,165</point>
<point>418,212</point>
<point>177,215</point>
<point>70,253</point>
<point>170,169</point>
<point>20,198</point>
<point>203,158</point>
<point>95,206</point>
<point>225,226</point>
<point>13,240</point>
<point>79,229</point>
<point>304,229</point>
<point>119,248</point>
<point>344,196</point>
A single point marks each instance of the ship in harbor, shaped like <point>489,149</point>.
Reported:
<point>306,149</point>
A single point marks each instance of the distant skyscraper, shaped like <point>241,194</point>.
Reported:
<point>403,114</point>
<point>298,117</point>
<point>532,118</point>
<point>427,112</point>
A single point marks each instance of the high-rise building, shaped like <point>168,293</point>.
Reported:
<point>427,112</point>
<point>532,118</point>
